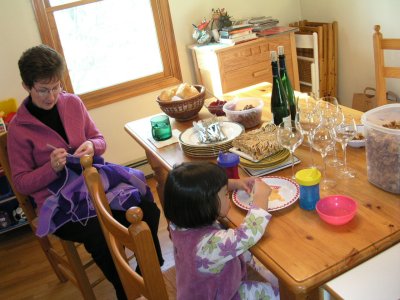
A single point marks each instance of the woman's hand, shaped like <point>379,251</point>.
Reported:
<point>58,159</point>
<point>86,148</point>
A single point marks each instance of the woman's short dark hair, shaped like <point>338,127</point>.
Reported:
<point>191,194</point>
<point>40,63</point>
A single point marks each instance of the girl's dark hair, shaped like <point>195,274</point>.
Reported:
<point>191,194</point>
<point>40,63</point>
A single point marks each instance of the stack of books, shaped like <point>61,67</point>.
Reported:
<point>236,34</point>
<point>263,23</point>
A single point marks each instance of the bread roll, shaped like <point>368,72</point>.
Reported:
<point>185,91</point>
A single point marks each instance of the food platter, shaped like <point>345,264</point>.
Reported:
<point>191,146</point>
<point>268,161</point>
<point>285,193</point>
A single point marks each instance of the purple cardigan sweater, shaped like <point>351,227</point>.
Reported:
<point>30,156</point>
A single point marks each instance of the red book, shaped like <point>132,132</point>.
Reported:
<point>233,31</point>
<point>240,30</point>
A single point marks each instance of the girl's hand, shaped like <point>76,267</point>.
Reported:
<point>58,159</point>
<point>261,193</point>
<point>85,148</point>
<point>245,184</point>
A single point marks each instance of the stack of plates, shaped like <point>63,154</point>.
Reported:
<point>191,146</point>
<point>269,161</point>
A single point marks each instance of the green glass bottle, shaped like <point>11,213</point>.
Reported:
<point>279,104</point>
<point>286,82</point>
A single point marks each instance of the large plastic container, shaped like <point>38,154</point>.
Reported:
<point>382,146</point>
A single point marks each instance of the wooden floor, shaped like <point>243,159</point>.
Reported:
<point>26,274</point>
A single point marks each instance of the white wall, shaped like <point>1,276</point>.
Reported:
<point>356,20</point>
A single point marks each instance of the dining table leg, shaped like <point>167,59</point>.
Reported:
<point>287,294</point>
<point>160,175</point>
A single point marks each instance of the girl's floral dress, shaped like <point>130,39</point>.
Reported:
<point>217,248</point>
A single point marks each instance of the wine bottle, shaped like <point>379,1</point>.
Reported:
<point>279,103</point>
<point>286,82</point>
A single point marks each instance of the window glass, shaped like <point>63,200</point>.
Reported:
<point>97,47</point>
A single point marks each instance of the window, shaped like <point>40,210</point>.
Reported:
<point>114,49</point>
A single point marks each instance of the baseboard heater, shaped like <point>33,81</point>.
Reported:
<point>142,165</point>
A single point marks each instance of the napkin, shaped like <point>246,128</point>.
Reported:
<point>170,141</point>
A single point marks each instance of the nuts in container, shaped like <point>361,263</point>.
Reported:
<point>246,111</point>
<point>383,146</point>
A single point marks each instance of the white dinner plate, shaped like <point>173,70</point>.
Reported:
<point>287,189</point>
<point>231,130</point>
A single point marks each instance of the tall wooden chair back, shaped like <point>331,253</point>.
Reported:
<point>66,264</point>
<point>381,70</point>
<point>136,238</point>
<point>311,79</point>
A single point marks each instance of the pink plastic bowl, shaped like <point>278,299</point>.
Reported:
<point>336,209</point>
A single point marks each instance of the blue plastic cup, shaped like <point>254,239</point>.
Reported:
<point>308,179</point>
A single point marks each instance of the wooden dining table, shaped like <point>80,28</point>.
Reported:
<point>303,251</point>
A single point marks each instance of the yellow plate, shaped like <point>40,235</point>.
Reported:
<point>266,162</point>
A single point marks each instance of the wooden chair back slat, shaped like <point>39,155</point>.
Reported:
<point>137,237</point>
<point>381,70</point>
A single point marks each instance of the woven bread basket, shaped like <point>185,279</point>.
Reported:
<point>186,109</point>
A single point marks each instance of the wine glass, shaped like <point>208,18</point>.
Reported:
<point>323,141</point>
<point>345,132</point>
<point>290,137</point>
<point>331,111</point>
<point>308,119</point>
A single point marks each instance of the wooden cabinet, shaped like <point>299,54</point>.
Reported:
<point>221,68</point>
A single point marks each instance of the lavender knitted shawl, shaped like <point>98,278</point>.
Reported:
<point>70,200</point>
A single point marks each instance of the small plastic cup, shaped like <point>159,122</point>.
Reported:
<point>229,161</point>
<point>308,179</point>
<point>160,128</point>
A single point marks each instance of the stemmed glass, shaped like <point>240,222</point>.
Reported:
<point>290,137</point>
<point>330,110</point>
<point>345,132</point>
<point>323,141</point>
<point>308,118</point>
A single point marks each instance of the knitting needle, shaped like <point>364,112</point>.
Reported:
<point>54,148</point>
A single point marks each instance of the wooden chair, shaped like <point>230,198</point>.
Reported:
<point>381,70</point>
<point>67,265</point>
<point>153,284</point>
<point>309,41</point>
<point>328,53</point>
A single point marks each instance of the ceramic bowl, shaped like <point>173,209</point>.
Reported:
<point>336,209</point>
<point>357,143</point>
<point>214,106</point>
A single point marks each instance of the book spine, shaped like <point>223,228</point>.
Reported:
<point>230,35</point>
<point>238,39</point>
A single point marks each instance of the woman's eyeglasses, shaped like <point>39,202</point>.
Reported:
<point>43,92</point>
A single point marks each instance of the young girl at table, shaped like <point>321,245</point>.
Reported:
<point>210,260</point>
